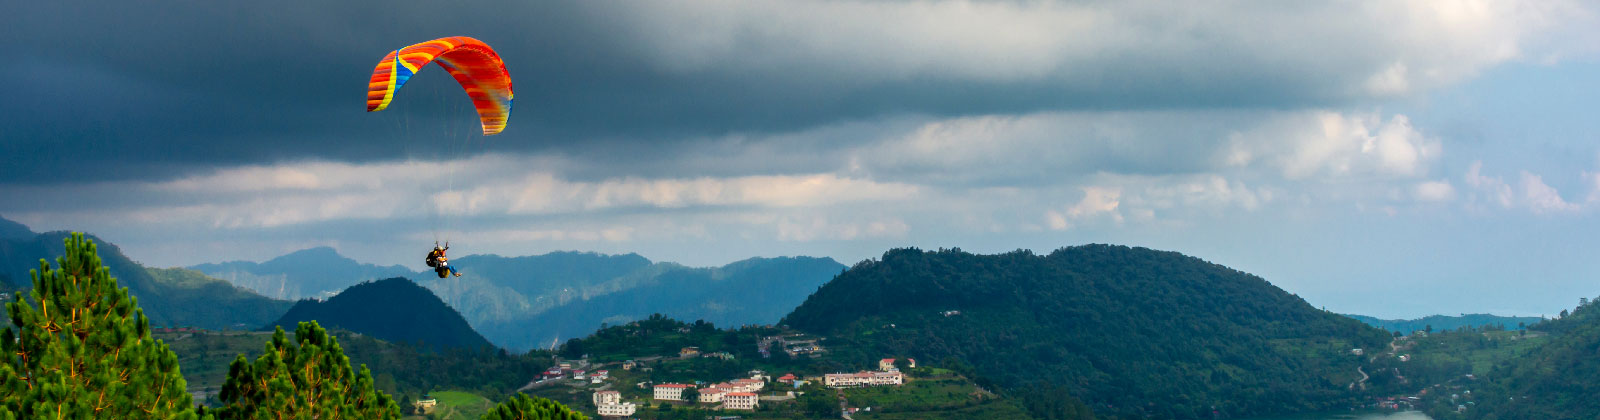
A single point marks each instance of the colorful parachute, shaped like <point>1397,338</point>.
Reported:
<point>476,66</point>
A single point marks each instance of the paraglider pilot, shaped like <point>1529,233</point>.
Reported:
<point>440,263</point>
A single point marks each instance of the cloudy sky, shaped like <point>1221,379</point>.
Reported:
<point>1384,157</point>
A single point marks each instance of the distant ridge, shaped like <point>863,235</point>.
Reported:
<point>13,230</point>
<point>395,310</point>
<point>1446,322</point>
<point>313,272</point>
<point>525,302</point>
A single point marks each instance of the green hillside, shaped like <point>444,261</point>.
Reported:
<point>168,296</point>
<point>1131,331</point>
<point>1555,380</point>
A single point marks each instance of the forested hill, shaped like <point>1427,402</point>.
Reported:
<point>313,272</point>
<point>169,297</point>
<point>1554,381</point>
<point>394,310</point>
<point>1446,322</point>
<point>1133,332</point>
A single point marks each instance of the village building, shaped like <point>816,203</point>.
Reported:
<point>607,397</point>
<point>748,385</point>
<point>712,395</point>
<point>628,365</point>
<point>848,380</point>
<point>740,401</point>
<point>426,404</point>
<point>788,378</point>
<point>689,352</point>
<point>886,364</point>
<point>670,392</point>
<point>617,410</point>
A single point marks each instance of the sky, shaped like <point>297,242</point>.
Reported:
<point>1390,158</point>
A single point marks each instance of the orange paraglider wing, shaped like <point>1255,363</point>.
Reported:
<point>473,64</point>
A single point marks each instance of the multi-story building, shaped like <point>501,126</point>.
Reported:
<point>602,398</point>
<point>846,380</point>
<point>617,410</point>
<point>712,395</point>
<point>670,392</point>
<point>740,401</point>
<point>886,364</point>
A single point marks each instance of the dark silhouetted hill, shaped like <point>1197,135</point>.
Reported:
<point>314,272</point>
<point>394,309</point>
<point>1133,332</point>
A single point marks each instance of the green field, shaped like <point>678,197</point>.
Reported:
<point>459,405</point>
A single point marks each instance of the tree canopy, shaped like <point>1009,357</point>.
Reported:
<point>308,378</point>
<point>79,347</point>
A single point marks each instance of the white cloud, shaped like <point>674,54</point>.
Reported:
<point>1541,198</point>
<point>1096,201</point>
<point>1333,145</point>
<point>1434,191</point>
<point>1495,189</point>
<point>1530,193</point>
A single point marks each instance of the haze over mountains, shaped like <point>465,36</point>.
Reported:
<point>314,272</point>
<point>1448,322</point>
<point>535,301</point>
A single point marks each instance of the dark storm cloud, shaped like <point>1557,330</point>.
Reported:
<point>153,89</point>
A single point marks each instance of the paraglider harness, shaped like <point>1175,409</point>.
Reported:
<point>438,261</point>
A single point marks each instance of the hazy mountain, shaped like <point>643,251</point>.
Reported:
<point>753,291</point>
<point>315,272</point>
<point>530,301</point>
<point>168,296</point>
<point>394,309</point>
<point>1446,322</point>
<point>1136,333</point>
<point>13,230</point>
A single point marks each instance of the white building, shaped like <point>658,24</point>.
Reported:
<point>846,380</point>
<point>712,395</point>
<point>602,398</point>
<point>670,392</point>
<point>748,385</point>
<point>617,410</point>
<point>740,401</point>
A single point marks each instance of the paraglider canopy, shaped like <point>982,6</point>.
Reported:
<point>473,64</point>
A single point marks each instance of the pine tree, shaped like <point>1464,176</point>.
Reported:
<point>521,407</point>
<point>309,378</point>
<point>85,351</point>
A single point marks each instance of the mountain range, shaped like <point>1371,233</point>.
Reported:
<point>536,301</point>
<point>169,297</point>
<point>314,272</point>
